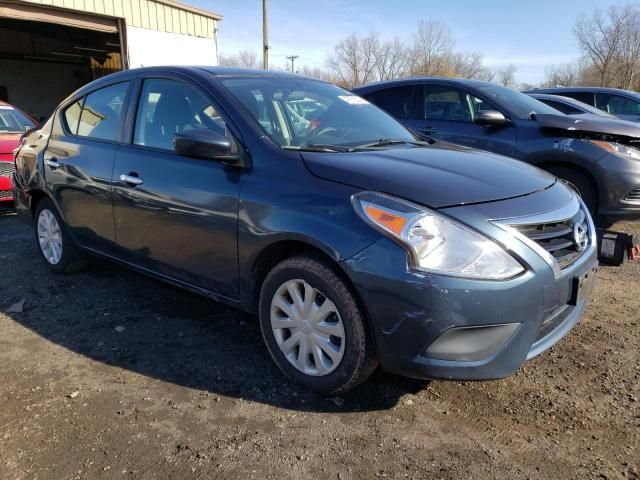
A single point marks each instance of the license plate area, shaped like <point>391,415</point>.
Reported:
<point>583,286</point>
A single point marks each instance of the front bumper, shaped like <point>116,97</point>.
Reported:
<point>410,310</point>
<point>620,178</point>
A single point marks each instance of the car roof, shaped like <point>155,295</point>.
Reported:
<point>195,70</point>
<point>418,80</point>
<point>549,96</point>
<point>583,89</point>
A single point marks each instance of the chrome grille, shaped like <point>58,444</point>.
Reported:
<point>633,195</point>
<point>6,194</point>
<point>560,238</point>
<point>7,169</point>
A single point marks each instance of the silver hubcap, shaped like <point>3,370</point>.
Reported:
<point>49,237</point>
<point>307,328</point>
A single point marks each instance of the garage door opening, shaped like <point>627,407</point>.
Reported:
<point>41,62</point>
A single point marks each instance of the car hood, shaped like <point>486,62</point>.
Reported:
<point>437,176</point>
<point>590,124</point>
<point>8,142</point>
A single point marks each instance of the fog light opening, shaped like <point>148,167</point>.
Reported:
<point>471,344</point>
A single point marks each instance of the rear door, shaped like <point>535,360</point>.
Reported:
<point>446,112</point>
<point>78,163</point>
<point>174,215</point>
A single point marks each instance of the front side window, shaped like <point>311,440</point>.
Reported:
<point>300,113</point>
<point>168,107</point>
<point>101,112</point>
<point>398,101</point>
<point>446,103</point>
<point>617,104</point>
<point>584,97</point>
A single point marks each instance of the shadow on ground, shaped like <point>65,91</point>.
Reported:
<point>136,323</point>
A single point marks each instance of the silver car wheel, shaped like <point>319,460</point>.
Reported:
<point>307,327</point>
<point>49,237</point>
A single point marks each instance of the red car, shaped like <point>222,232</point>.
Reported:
<point>13,123</point>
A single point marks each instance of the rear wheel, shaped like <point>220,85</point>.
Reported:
<point>581,183</point>
<point>57,248</point>
<point>313,326</point>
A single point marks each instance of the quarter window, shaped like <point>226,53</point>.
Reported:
<point>101,112</point>
<point>72,116</point>
<point>167,108</point>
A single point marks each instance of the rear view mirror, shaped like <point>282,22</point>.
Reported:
<point>207,144</point>
<point>489,118</point>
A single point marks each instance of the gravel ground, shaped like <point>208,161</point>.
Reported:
<point>109,374</point>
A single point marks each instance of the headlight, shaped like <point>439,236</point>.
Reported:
<point>434,242</point>
<point>623,150</point>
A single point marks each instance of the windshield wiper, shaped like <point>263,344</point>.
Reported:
<point>384,142</point>
<point>320,147</point>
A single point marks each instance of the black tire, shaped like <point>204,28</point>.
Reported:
<point>72,258</point>
<point>580,182</point>
<point>359,359</point>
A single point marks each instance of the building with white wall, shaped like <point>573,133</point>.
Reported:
<point>49,48</point>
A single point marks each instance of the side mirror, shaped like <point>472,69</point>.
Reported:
<point>206,144</point>
<point>488,118</point>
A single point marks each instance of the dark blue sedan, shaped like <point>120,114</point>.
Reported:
<point>356,243</point>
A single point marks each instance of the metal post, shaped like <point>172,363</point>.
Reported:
<point>265,36</point>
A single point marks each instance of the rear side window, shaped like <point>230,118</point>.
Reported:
<point>584,97</point>
<point>72,116</point>
<point>101,112</point>
<point>562,107</point>
<point>397,101</point>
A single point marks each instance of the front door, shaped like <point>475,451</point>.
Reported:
<point>447,112</point>
<point>78,163</point>
<point>174,215</point>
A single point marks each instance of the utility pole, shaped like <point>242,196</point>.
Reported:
<point>265,36</point>
<point>292,58</point>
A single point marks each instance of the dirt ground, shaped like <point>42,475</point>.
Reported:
<point>109,374</point>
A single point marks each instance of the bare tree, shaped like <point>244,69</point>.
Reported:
<point>353,60</point>
<point>507,75</point>
<point>468,65</point>
<point>599,36</point>
<point>564,75</point>
<point>392,59</point>
<point>432,46</point>
<point>627,59</point>
<point>243,59</point>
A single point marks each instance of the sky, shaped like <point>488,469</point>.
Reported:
<point>531,35</point>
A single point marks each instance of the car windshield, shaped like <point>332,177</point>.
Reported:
<point>305,113</point>
<point>12,120</point>
<point>519,104</point>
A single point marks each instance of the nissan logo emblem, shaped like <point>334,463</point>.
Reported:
<point>580,236</point>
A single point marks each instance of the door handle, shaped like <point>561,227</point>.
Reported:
<point>132,179</point>
<point>52,163</point>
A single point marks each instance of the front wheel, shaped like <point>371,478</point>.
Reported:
<point>313,326</point>
<point>58,250</point>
